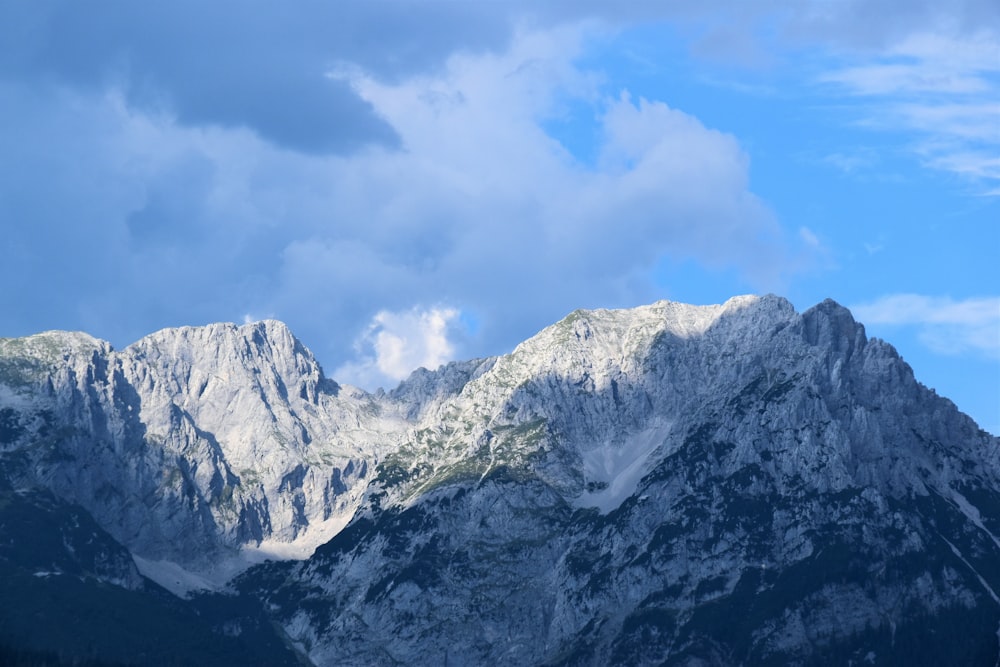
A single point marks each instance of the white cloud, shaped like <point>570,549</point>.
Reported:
<point>942,86</point>
<point>485,210</point>
<point>920,309</point>
<point>905,79</point>
<point>250,318</point>
<point>479,208</point>
<point>397,343</point>
<point>944,324</point>
<point>851,162</point>
<point>809,237</point>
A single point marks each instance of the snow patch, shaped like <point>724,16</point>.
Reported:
<point>972,513</point>
<point>986,586</point>
<point>182,582</point>
<point>615,472</point>
<point>175,578</point>
<point>300,548</point>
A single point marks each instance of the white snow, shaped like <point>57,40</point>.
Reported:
<point>972,513</point>
<point>182,582</point>
<point>619,468</point>
<point>175,578</point>
<point>954,550</point>
<point>302,547</point>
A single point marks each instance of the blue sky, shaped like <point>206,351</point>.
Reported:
<point>406,183</point>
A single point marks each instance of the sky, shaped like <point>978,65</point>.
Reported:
<point>410,182</point>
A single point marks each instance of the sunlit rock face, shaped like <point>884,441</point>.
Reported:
<point>732,484</point>
<point>205,448</point>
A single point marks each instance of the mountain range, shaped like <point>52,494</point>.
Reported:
<point>669,484</point>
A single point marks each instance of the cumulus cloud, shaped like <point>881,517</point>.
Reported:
<point>188,163</point>
<point>945,325</point>
<point>262,66</point>
<point>397,343</point>
<point>225,64</point>
<point>482,208</point>
<point>476,206</point>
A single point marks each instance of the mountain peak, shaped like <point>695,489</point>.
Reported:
<point>270,328</point>
<point>222,333</point>
<point>53,344</point>
<point>642,475</point>
<point>830,325</point>
<point>683,319</point>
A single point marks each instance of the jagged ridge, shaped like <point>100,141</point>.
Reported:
<point>610,492</point>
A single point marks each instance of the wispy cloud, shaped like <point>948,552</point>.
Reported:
<point>852,161</point>
<point>945,88</point>
<point>945,325</point>
<point>809,237</point>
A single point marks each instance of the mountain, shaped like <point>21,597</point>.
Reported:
<point>200,449</point>
<point>671,484</point>
<point>73,595</point>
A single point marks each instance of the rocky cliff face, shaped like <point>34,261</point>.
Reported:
<point>691,485</point>
<point>736,484</point>
<point>201,449</point>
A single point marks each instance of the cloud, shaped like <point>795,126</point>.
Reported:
<point>483,209</point>
<point>397,343</point>
<point>158,222</point>
<point>331,164</point>
<point>945,325</point>
<point>235,64</point>
<point>925,62</point>
<point>809,237</point>
<point>943,86</point>
<point>872,26</point>
<point>264,67</point>
<point>852,161</point>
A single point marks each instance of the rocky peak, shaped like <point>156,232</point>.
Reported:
<point>424,388</point>
<point>193,445</point>
<point>262,352</point>
<point>625,484</point>
<point>200,444</point>
<point>228,372</point>
<point>26,363</point>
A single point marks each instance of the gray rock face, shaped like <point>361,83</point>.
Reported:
<point>730,485</point>
<point>192,444</point>
<point>691,485</point>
